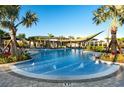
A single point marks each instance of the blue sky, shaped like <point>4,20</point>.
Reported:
<point>65,20</point>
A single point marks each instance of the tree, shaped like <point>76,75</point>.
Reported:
<point>3,35</point>
<point>9,19</point>
<point>115,13</point>
<point>32,39</point>
<point>49,37</point>
<point>21,36</point>
<point>71,38</point>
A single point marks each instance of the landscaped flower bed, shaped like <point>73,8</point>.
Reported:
<point>95,48</point>
<point>9,59</point>
<point>110,57</point>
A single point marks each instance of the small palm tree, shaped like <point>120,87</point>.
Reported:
<point>21,36</point>
<point>115,13</point>
<point>32,39</point>
<point>9,18</point>
<point>70,38</point>
<point>61,38</point>
<point>49,37</point>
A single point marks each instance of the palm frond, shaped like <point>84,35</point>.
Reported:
<point>13,12</point>
<point>108,12</point>
<point>10,12</point>
<point>6,24</point>
<point>30,19</point>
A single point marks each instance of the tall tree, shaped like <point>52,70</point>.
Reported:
<point>114,13</point>
<point>9,18</point>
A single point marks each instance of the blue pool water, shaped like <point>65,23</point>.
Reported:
<point>62,62</point>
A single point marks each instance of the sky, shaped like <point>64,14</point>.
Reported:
<point>66,20</point>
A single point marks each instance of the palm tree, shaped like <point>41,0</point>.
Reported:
<point>9,18</point>
<point>21,36</point>
<point>32,39</point>
<point>49,37</point>
<point>60,40</point>
<point>114,13</point>
<point>70,38</point>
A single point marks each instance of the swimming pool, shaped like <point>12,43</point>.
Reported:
<point>63,64</point>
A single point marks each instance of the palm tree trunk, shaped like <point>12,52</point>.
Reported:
<point>113,43</point>
<point>14,51</point>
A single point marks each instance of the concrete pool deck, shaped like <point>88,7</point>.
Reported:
<point>10,79</point>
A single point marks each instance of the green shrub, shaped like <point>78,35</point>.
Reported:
<point>120,58</point>
<point>22,44</point>
<point>113,58</point>
<point>10,59</point>
<point>25,56</point>
<point>88,47</point>
<point>99,48</point>
<point>95,48</point>
<point>2,60</point>
<point>107,57</point>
